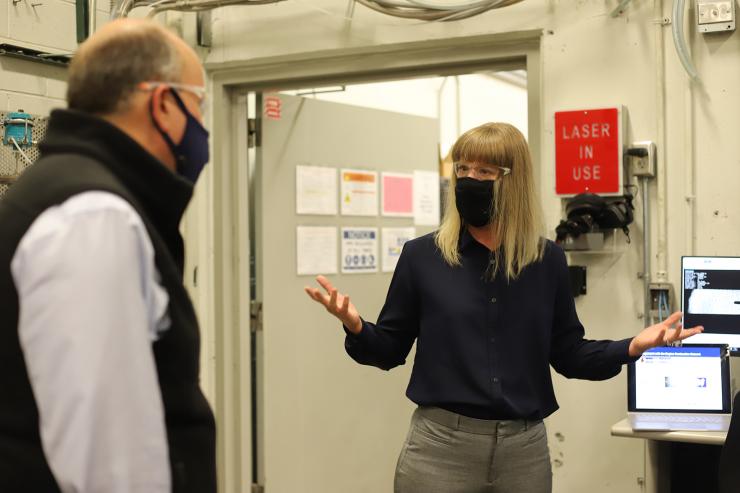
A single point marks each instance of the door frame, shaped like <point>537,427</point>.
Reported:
<point>227,254</point>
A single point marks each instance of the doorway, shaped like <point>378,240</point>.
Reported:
<point>234,317</point>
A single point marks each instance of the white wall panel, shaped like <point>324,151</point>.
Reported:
<point>717,150</point>
<point>56,89</point>
<point>50,23</point>
<point>23,83</point>
<point>4,17</point>
<point>35,105</point>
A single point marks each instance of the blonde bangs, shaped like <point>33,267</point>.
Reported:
<point>517,228</point>
<point>482,145</point>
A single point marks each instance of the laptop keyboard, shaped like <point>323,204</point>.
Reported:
<point>680,418</point>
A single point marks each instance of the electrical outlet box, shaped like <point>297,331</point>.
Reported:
<point>643,158</point>
<point>715,16</point>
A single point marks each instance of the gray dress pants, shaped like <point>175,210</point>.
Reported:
<point>449,453</point>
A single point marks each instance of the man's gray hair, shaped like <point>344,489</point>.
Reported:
<point>103,77</point>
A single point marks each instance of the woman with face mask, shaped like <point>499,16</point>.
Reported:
<point>487,300</point>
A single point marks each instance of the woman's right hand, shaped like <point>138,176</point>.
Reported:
<point>337,304</point>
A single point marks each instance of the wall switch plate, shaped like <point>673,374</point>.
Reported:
<point>643,158</point>
<point>715,15</point>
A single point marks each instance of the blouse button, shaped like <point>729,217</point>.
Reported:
<point>493,300</point>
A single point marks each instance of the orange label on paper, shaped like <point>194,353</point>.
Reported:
<point>361,177</point>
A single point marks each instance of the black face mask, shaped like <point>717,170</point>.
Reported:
<point>474,200</point>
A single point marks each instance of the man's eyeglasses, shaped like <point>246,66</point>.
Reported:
<point>487,172</point>
<point>198,91</point>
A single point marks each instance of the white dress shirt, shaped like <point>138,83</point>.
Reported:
<point>90,308</point>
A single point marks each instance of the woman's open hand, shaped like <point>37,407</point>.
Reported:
<point>661,334</point>
<point>337,304</point>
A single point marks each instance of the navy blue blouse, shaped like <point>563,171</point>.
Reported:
<point>483,346</point>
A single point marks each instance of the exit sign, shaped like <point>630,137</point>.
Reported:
<point>588,152</point>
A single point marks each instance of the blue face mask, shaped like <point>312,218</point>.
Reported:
<point>191,154</point>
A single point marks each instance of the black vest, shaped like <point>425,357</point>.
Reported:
<point>83,153</point>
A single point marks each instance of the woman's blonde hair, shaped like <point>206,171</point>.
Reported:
<point>517,220</point>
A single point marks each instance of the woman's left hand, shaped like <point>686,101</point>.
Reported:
<point>661,334</point>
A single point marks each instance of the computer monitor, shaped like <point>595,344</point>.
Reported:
<point>710,296</point>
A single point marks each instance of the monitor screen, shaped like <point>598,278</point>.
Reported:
<point>710,296</point>
<point>681,379</point>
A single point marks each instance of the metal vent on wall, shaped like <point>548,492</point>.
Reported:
<point>12,162</point>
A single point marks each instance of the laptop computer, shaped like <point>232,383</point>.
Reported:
<point>680,388</point>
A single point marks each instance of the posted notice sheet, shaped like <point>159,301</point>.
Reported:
<point>359,192</point>
<point>315,190</point>
<point>426,198</point>
<point>359,250</point>
<point>316,250</point>
<point>393,240</point>
<point>397,193</point>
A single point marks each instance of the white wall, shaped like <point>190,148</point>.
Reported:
<point>25,85</point>
<point>23,88</point>
<point>43,25</point>
<point>480,98</point>
<point>589,59</point>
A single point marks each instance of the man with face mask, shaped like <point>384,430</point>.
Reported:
<point>99,342</point>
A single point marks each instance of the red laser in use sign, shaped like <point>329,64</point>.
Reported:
<point>588,152</point>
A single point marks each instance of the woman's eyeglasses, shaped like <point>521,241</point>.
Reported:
<point>487,172</point>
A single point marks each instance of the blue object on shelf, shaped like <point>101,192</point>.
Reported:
<point>18,126</point>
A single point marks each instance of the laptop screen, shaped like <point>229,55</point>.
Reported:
<point>689,378</point>
<point>710,296</point>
